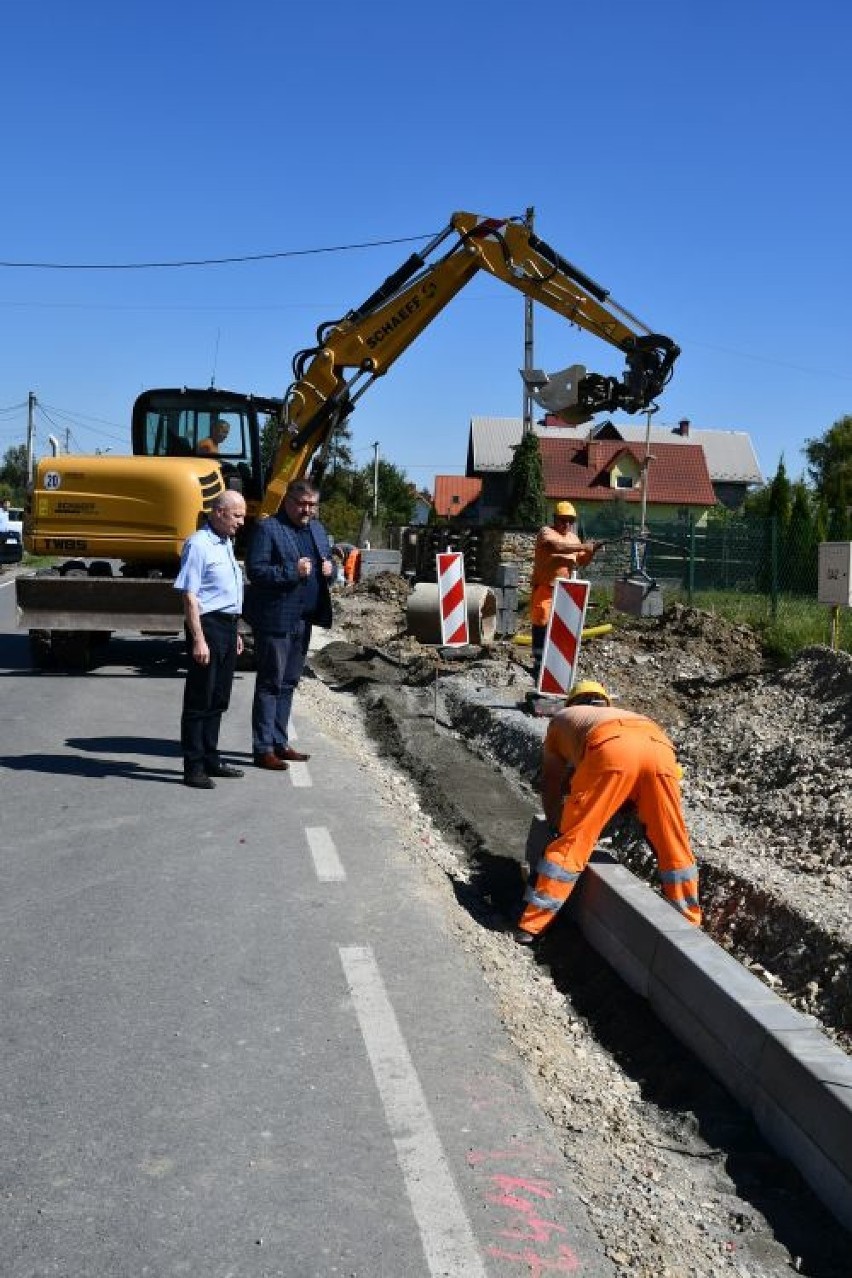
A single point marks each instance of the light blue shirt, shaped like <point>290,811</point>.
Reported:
<point>209,570</point>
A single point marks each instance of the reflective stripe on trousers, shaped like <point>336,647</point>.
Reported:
<point>624,760</point>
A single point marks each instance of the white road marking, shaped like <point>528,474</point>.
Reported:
<point>4,584</point>
<point>448,1241</point>
<point>327,863</point>
<point>300,777</point>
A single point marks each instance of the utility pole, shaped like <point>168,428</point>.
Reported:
<point>31,403</point>
<point>528,343</point>
<point>67,439</point>
<point>375,478</point>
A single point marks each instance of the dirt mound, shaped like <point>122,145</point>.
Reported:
<point>713,640</point>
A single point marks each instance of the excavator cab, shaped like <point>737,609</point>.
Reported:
<point>226,426</point>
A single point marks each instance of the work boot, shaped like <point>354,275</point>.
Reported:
<point>524,938</point>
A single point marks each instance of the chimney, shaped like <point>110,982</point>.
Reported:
<point>683,426</point>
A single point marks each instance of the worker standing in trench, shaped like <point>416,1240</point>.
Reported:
<point>604,757</point>
<point>558,553</point>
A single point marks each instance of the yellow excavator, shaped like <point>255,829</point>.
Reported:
<point>120,522</point>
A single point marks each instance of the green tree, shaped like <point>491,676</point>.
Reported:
<point>395,498</point>
<point>756,504</point>
<point>527,506</point>
<point>798,570</point>
<point>830,465</point>
<point>13,470</point>
<point>269,434</point>
<point>780,495</point>
<point>341,518</point>
<point>339,456</point>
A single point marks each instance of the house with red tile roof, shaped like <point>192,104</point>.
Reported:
<point>595,473</point>
<point>730,460</point>
<point>599,468</point>
<point>456,495</point>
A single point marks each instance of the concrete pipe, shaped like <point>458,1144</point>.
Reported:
<point>423,613</point>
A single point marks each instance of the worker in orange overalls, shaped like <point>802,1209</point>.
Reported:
<point>559,552</point>
<point>605,757</point>
<point>352,567</point>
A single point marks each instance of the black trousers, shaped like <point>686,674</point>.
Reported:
<point>207,692</point>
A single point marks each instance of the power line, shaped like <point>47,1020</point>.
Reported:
<point>73,413</point>
<point>207,261</point>
<point>71,419</point>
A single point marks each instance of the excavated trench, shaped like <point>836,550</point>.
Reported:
<point>476,767</point>
<point>488,807</point>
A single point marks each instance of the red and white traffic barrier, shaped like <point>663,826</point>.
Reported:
<point>453,604</point>
<point>562,641</point>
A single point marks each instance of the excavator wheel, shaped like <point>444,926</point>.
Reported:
<point>40,649</point>
<point>71,649</point>
<point>61,649</point>
<point>73,568</point>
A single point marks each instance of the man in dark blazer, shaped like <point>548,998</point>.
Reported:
<point>289,567</point>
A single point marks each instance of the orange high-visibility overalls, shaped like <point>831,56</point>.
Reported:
<point>625,759</point>
<point>352,567</point>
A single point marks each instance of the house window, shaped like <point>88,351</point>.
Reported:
<point>625,481</point>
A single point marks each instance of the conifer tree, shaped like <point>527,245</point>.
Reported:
<point>527,507</point>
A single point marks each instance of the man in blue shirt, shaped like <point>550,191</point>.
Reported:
<point>289,567</point>
<point>212,584</point>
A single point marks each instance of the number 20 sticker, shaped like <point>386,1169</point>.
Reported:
<point>52,479</point>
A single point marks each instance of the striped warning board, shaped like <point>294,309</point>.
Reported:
<point>562,641</point>
<point>451,594</point>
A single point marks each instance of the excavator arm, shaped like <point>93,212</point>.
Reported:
<point>352,352</point>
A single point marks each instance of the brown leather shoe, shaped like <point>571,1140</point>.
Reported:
<point>270,761</point>
<point>293,756</point>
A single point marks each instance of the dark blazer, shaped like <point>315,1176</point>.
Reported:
<point>274,598</point>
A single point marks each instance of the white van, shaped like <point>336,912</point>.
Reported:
<point>12,541</point>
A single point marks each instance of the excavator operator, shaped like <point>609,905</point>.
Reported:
<point>218,434</point>
<point>604,757</point>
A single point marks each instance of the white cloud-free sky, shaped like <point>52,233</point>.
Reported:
<point>693,158</point>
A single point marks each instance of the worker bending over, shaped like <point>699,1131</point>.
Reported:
<point>604,757</point>
<point>558,553</point>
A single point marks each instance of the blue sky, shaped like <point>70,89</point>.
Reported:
<point>693,158</point>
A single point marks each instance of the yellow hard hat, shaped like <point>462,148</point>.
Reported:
<point>565,509</point>
<point>588,688</point>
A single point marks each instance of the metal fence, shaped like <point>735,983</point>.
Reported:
<point>773,570</point>
<point>752,570</point>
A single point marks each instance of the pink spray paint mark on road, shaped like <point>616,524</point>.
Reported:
<point>565,1262</point>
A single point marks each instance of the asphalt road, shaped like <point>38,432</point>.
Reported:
<point>237,1037</point>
